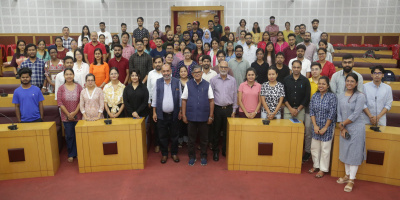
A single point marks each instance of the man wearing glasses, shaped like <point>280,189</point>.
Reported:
<point>379,98</point>
<point>141,61</point>
<point>249,50</point>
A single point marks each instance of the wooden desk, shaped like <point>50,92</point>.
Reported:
<point>388,142</point>
<point>39,145</point>
<point>370,60</point>
<point>382,52</point>
<point>9,80</point>
<point>125,139</point>
<point>49,100</point>
<point>280,144</point>
<point>366,70</point>
<point>394,85</point>
<point>395,107</point>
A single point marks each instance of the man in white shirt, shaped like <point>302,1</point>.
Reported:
<point>154,75</point>
<point>60,80</point>
<point>305,63</point>
<point>105,33</point>
<point>315,33</point>
<point>208,73</point>
<point>249,50</point>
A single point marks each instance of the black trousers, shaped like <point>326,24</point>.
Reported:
<point>167,130</point>
<point>197,129</point>
<point>153,125</point>
<point>220,120</point>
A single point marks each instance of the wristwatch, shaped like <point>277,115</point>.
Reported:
<point>211,118</point>
<point>44,87</point>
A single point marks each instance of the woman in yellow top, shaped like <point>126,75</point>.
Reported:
<point>100,69</point>
<point>287,31</point>
<point>256,33</point>
<point>113,91</point>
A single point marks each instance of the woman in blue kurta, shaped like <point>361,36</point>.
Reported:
<point>351,149</point>
<point>323,107</point>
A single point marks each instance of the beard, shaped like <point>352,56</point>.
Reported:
<point>307,40</point>
<point>167,77</point>
<point>347,69</point>
<point>117,55</point>
<point>239,56</point>
<point>223,73</point>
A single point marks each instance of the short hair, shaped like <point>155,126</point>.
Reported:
<point>137,73</point>
<point>378,67</point>
<point>238,47</point>
<point>272,17</point>
<point>297,61</point>
<point>167,26</point>
<point>280,54</point>
<point>102,23</point>
<point>158,38</point>
<point>287,23</point>
<point>102,35</point>
<point>157,57</point>
<point>68,57</point>
<point>302,25</point>
<point>25,70</point>
<point>208,57</point>
<point>296,26</point>
<point>186,32</point>
<point>243,21</point>
<point>216,16</point>
<point>314,20</point>
<point>197,67</point>
<point>324,33</point>
<point>65,27</point>
<point>210,21</point>
<point>189,23</point>
<point>125,33</point>
<point>248,34</point>
<point>123,24</point>
<point>90,75</point>
<point>169,53</point>
<point>347,56</point>
<point>243,31</point>
<point>301,46</point>
<point>221,51</point>
<point>29,46</point>
<point>138,40</point>
<point>316,63</point>
<point>170,44</point>
<point>178,25</point>
<point>113,68</point>
<point>118,45</point>
<point>139,18</point>
<point>291,35</point>
<point>307,32</point>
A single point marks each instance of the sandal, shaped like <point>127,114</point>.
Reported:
<point>320,174</point>
<point>349,186</point>
<point>70,159</point>
<point>180,145</point>
<point>312,170</point>
<point>345,179</point>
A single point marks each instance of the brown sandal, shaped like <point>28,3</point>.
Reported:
<point>312,170</point>
<point>320,174</point>
<point>343,180</point>
<point>349,186</point>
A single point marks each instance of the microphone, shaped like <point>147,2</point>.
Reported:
<point>3,94</point>
<point>13,126</point>
<point>376,128</point>
<point>107,121</point>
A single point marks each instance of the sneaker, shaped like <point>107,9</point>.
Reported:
<point>192,161</point>
<point>204,161</point>
<point>306,156</point>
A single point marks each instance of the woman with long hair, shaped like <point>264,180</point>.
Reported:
<point>61,51</point>
<point>265,39</point>
<point>270,54</point>
<point>146,45</point>
<point>51,68</point>
<point>113,101</point>
<point>85,34</point>
<point>256,32</point>
<point>100,69</point>
<point>352,149</point>
<point>323,107</point>
<point>242,40</point>
<point>92,100</point>
<point>213,52</point>
<point>280,44</point>
<point>198,51</point>
<point>241,27</point>
<point>249,98</point>
<point>231,38</point>
<point>188,62</point>
<point>74,47</point>
<point>41,51</point>
<point>230,51</point>
<point>81,68</point>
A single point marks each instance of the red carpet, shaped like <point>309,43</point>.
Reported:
<point>180,181</point>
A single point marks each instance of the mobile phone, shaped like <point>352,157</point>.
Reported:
<point>294,120</point>
<point>347,135</point>
<point>265,121</point>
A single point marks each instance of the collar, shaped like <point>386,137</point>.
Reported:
<point>196,81</point>
<point>227,76</point>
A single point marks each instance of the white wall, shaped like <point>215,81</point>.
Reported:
<point>356,16</point>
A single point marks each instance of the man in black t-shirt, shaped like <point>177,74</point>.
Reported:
<point>283,70</point>
<point>225,37</point>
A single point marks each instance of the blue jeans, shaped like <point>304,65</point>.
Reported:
<point>70,138</point>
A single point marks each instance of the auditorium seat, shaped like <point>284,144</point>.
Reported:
<point>8,74</point>
<point>367,64</point>
<point>396,95</point>
<point>360,55</point>
<point>8,88</point>
<point>363,48</point>
<point>393,119</point>
<point>51,114</point>
<point>368,77</point>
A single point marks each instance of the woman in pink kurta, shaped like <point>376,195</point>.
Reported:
<point>280,44</point>
<point>92,100</point>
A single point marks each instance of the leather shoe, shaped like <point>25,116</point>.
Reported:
<point>224,154</point>
<point>164,159</point>
<point>216,157</point>
<point>175,158</point>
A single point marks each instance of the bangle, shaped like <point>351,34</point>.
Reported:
<point>44,87</point>
<point>211,118</point>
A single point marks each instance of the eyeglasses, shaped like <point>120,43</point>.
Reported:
<point>196,72</point>
<point>186,53</point>
<point>321,54</point>
<point>139,44</point>
<point>377,73</point>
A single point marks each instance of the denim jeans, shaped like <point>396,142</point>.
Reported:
<point>70,138</point>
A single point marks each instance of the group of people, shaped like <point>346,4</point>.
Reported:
<point>190,83</point>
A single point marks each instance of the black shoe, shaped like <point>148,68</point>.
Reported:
<point>224,154</point>
<point>306,156</point>
<point>216,157</point>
